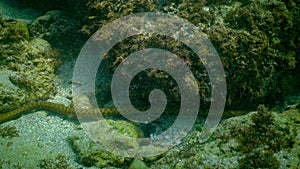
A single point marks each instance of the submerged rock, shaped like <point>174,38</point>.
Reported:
<point>40,44</point>
<point>239,138</point>
<point>27,65</point>
<point>92,154</point>
<point>57,28</point>
<point>137,164</point>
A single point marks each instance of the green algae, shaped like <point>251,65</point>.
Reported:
<point>261,140</point>
<point>8,131</point>
<point>236,45</point>
<point>60,161</point>
<point>27,64</point>
<point>54,25</point>
<point>270,135</point>
<point>21,28</point>
<point>198,127</point>
<point>257,42</point>
<point>24,154</point>
<point>92,154</point>
<point>137,164</point>
<point>258,39</point>
<point>125,128</point>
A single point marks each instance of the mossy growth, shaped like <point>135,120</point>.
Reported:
<point>60,161</point>
<point>198,127</point>
<point>10,97</point>
<point>125,128</point>
<point>137,164</point>
<point>186,9</point>
<point>258,44</point>
<point>256,40</point>
<point>8,164</point>
<point>261,140</point>
<point>98,13</point>
<point>90,153</point>
<point>8,131</point>
<point>29,64</point>
<point>15,30</point>
<point>149,79</point>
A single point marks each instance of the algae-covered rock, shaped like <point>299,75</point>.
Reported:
<point>8,131</point>
<point>262,139</point>
<point>57,28</point>
<point>97,13</point>
<point>93,154</point>
<point>10,95</point>
<point>37,141</point>
<point>137,164</point>
<point>39,44</point>
<point>238,141</point>
<point>60,161</point>
<point>257,43</point>
<point>15,30</point>
<point>27,66</point>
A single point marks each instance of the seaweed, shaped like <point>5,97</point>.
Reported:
<point>258,46</point>
<point>29,63</point>
<point>61,161</point>
<point>9,164</point>
<point>9,131</point>
<point>257,41</point>
<point>259,141</point>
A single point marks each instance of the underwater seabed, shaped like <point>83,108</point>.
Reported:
<point>43,139</point>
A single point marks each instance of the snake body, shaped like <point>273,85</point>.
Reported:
<point>54,107</point>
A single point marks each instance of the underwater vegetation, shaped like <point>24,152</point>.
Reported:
<point>60,161</point>
<point>55,25</point>
<point>147,80</point>
<point>27,66</point>
<point>91,154</point>
<point>261,140</point>
<point>257,42</point>
<point>8,131</point>
<point>259,46</point>
<point>137,164</point>
<point>8,163</point>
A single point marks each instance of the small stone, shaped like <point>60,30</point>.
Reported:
<point>137,164</point>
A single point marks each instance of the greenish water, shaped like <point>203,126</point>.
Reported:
<point>9,9</point>
<point>48,141</point>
